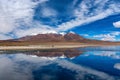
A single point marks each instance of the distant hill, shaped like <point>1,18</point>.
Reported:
<point>54,38</point>
<point>68,37</point>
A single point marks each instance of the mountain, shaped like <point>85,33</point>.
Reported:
<point>52,38</point>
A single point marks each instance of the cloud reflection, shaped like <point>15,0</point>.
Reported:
<point>21,67</point>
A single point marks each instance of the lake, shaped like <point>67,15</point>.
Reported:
<point>90,63</point>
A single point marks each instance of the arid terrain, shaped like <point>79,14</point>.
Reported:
<point>52,41</point>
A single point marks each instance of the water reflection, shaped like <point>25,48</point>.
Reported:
<point>65,64</point>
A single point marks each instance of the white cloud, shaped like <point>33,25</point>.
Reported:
<point>116,24</point>
<point>74,2</point>
<point>77,22</point>
<point>108,37</point>
<point>105,37</point>
<point>35,30</point>
<point>85,15</point>
<point>13,13</point>
<point>115,33</point>
<point>117,66</point>
<point>16,13</point>
<point>3,36</point>
<point>86,35</point>
<point>48,12</point>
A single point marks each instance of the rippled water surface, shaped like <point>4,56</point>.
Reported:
<point>90,63</point>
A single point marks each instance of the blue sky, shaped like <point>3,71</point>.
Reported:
<point>94,19</point>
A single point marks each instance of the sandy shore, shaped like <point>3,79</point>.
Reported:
<point>50,46</point>
<point>32,47</point>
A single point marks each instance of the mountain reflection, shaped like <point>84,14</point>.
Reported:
<point>60,64</point>
<point>50,53</point>
<point>57,53</point>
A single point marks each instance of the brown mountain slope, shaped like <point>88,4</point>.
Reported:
<point>52,37</point>
<point>69,38</point>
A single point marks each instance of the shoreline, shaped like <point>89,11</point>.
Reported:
<point>40,47</point>
<point>45,47</point>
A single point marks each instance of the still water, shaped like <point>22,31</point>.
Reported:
<point>90,63</point>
